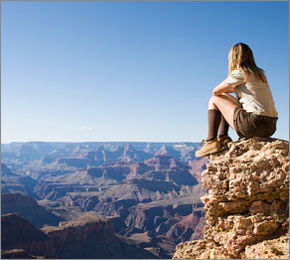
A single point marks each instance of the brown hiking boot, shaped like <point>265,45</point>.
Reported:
<point>224,140</point>
<point>210,147</point>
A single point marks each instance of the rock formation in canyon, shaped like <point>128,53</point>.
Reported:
<point>87,237</point>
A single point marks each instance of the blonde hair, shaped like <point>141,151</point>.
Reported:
<point>241,57</point>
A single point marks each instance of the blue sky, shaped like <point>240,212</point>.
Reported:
<point>130,71</point>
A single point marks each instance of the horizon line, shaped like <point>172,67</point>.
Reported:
<point>35,141</point>
<point>11,142</point>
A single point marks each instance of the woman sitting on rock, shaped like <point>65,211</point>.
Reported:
<point>252,114</point>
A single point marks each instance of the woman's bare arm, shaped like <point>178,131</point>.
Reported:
<point>222,88</point>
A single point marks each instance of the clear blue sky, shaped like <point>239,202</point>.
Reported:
<point>130,71</point>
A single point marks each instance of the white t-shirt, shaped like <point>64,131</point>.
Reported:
<point>254,96</point>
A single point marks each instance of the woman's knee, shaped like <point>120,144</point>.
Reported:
<point>230,98</point>
<point>211,102</point>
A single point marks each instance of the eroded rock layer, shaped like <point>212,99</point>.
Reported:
<point>19,233</point>
<point>247,204</point>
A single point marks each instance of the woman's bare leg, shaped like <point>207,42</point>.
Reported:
<point>220,112</point>
<point>225,105</point>
<point>230,98</point>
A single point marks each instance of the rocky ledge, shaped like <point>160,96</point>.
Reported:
<point>247,204</point>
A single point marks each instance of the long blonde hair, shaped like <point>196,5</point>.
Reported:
<point>241,57</point>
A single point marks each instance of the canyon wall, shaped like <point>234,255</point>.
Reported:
<point>87,237</point>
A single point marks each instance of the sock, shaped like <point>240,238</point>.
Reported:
<point>224,127</point>
<point>214,118</point>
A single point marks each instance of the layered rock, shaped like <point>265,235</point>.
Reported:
<point>12,182</point>
<point>27,207</point>
<point>247,203</point>
<point>91,237</point>
<point>19,233</point>
<point>18,254</point>
<point>87,237</point>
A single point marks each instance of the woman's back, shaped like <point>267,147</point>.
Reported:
<point>254,95</point>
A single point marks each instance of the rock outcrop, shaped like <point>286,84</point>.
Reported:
<point>87,237</point>
<point>247,205</point>
<point>19,233</point>
<point>92,237</point>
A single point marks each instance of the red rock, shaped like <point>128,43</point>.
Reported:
<point>19,233</point>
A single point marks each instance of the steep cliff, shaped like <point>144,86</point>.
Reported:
<point>19,233</point>
<point>12,182</point>
<point>91,237</point>
<point>247,205</point>
<point>27,207</point>
<point>87,237</point>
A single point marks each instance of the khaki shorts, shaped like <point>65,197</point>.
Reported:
<point>250,125</point>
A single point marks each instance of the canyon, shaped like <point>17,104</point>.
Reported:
<point>148,194</point>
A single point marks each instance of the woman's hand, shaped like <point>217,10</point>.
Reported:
<point>223,87</point>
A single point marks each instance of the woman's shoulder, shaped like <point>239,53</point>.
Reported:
<point>237,73</point>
